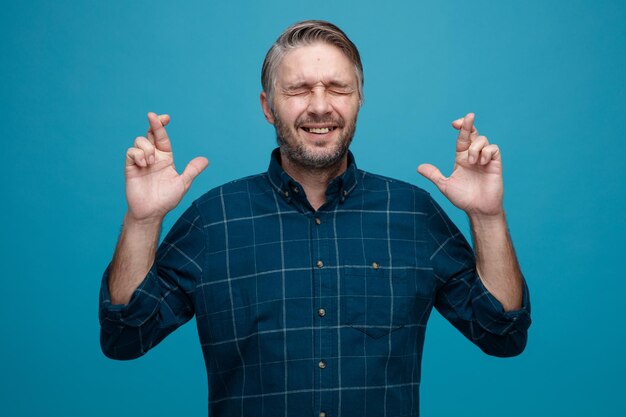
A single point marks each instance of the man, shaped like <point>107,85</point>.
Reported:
<point>312,283</point>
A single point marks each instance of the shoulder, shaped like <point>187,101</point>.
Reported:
<point>405,196</point>
<point>370,182</point>
<point>233,193</point>
<point>242,185</point>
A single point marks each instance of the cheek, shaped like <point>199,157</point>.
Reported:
<point>289,111</point>
<point>349,113</point>
<point>347,106</point>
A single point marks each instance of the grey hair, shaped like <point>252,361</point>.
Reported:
<point>306,33</point>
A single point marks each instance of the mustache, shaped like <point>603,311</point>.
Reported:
<point>337,121</point>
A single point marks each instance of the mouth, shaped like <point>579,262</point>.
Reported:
<point>318,130</point>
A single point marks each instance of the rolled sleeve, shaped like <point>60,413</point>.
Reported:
<point>491,315</point>
<point>142,304</point>
<point>123,327</point>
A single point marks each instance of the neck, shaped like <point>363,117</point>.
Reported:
<point>314,180</point>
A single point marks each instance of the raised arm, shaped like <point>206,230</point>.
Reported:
<point>153,188</point>
<point>476,187</point>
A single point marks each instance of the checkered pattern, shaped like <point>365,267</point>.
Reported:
<point>303,312</point>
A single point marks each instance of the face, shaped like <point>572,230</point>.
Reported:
<point>315,107</point>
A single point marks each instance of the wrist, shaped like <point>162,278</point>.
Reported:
<point>487,221</point>
<point>149,223</point>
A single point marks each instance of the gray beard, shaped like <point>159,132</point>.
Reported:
<point>297,153</point>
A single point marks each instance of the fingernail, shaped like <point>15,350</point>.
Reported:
<point>472,159</point>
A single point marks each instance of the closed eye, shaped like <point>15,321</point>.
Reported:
<point>298,92</point>
<point>341,91</point>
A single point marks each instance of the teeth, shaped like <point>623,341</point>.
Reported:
<point>318,129</point>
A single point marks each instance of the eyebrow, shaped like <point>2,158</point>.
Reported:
<point>302,84</point>
<point>295,86</point>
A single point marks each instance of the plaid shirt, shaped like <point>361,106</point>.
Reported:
<point>312,313</point>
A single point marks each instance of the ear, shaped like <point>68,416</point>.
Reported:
<point>267,111</point>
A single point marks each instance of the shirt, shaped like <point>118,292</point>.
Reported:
<point>312,313</point>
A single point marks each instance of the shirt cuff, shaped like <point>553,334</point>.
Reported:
<point>491,315</point>
<point>142,305</point>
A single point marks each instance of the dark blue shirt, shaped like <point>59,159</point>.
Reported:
<point>308,313</point>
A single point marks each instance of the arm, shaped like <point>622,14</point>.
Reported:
<point>496,262</point>
<point>476,187</point>
<point>153,188</point>
<point>133,257</point>
<point>146,293</point>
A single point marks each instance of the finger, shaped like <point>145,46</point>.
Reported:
<point>458,123</point>
<point>161,140</point>
<point>147,148</point>
<point>433,174</point>
<point>464,140</point>
<point>193,169</point>
<point>150,136</point>
<point>165,119</point>
<point>475,148</point>
<point>135,156</point>
<point>490,153</point>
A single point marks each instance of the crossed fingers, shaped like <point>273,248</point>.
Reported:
<point>143,152</point>
<point>479,150</point>
<point>156,133</point>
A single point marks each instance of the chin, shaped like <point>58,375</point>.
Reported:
<point>324,152</point>
<point>325,156</point>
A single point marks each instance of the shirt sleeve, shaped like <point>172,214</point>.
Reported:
<point>463,299</point>
<point>163,301</point>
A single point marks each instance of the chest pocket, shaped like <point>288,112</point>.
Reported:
<point>377,301</point>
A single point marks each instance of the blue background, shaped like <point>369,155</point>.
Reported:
<point>546,79</point>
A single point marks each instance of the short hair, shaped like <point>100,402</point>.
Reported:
<point>306,33</point>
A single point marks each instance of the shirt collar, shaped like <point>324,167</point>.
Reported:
<point>339,188</point>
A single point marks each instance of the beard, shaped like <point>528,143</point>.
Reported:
<point>299,154</point>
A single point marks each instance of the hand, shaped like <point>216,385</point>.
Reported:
<point>153,187</point>
<point>475,185</point>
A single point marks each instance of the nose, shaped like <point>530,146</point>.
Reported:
<point>319,102</point>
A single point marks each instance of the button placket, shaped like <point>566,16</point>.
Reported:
<point>322,260</point>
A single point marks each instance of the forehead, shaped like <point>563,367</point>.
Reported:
<point>318,62</point>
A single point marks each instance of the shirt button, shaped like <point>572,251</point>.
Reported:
<point>318,221</point>
<point>296,190</point>
<point>322,364</point>
<point>321,312</point>
<point>322,414</point>
<point>286,193</point>
<point>375,265</point>
<point>319,264</point>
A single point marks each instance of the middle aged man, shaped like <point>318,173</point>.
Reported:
<point>312,283</point>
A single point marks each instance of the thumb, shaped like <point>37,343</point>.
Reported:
<point>193,169</point>
<point>433,174</point>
